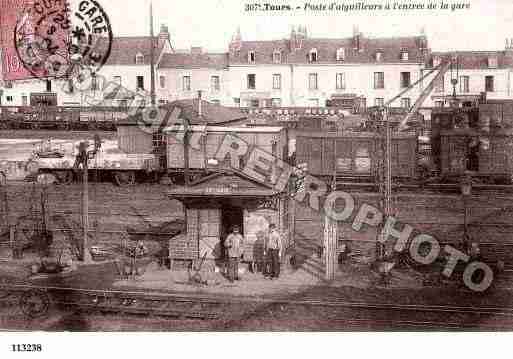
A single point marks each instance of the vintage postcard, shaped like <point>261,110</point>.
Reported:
<point>264,166</point>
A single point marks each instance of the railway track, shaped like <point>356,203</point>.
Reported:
<point>35,301</point>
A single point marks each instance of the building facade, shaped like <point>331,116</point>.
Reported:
<point>297,71</point>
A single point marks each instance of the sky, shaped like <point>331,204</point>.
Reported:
<point>211,23</point>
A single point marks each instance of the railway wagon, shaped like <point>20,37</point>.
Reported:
<point>355,155</point>
<point>206,140</point>
<point>487,156</point>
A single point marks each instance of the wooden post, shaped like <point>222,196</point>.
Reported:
<point>330,246</point>
<point>12,236</point>
<point>85,214</point>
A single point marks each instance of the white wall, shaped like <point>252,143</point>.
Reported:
<point>200,80</point>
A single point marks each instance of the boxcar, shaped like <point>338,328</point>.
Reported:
<point>206,140</point>
<point>355,154</point>
<point>488,156</point>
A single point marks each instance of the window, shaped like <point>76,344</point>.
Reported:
<point>123,103</point>
<point>253,103</point>
<point>341,54</point>
<point>236,101</point>
<point>379,56</point>
<point>406,103</point>
<point>314,102</point>
<point>312,82</point>
<point>464,84</point>
<point>405,79</point>
<point>405,55</point>
<point>186,83</point>
<point>379,101</point>
<point>379,80</point>
<point>341,81</point>
<point>48,85</point>
<point>8,98</point>
<point>215,102</point>
<point>439,103</point>
<point>139,59</point>
<point>251,57</point>
<point>277,56</point>
<point>313,55</point>
<point>493,62</point>
<point>276,82</point>
<point>162,81</point>
<point>24,100</point>
<point>117,79</point>
<point>439,85</point>
<point>276,102</point>
<point>489,85</point>
<point>215,83</point>
<point>436,61</point>
<point>251,81</point>
<point>140,82</point>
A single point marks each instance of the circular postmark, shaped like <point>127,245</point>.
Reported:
<point>54,40</point>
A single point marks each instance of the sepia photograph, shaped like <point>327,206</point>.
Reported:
<point>266,167</point>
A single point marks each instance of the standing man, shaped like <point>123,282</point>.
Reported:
<point>233,245</point>
<point>274,250</point>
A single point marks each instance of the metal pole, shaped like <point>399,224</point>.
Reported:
<point>152,56</point>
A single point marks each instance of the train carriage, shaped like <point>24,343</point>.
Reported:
<point>487,156</point>
<point>355,154</point>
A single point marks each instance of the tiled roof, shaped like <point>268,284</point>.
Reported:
<point>391,49</point>
<point>212,114</point>
<point>125,49</point>
<point>475,59</point>
<point>190,61</point>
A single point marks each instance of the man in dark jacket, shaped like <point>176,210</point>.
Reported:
<point>233,245</point>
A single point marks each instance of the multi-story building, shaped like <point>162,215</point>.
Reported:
<point>472,74</point>
<point>128,65</point>
<point>300,71</point>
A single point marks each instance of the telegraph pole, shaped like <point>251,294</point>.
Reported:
<point>152,56</point>
<point>85,213</point>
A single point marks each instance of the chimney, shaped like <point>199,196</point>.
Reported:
<point>164,32</point>
<point>200,109</point>
<point>357,39</point>
<point>196,50</point>
<point>163,35</point>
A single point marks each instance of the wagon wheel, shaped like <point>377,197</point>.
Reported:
<point>34,303</point>
<point>64,177</point>
<point>124,178</point>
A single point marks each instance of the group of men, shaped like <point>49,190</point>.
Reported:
<point>273,250</point>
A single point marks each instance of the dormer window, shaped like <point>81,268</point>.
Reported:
<point>139,59</point>
<point>251,57</point>
<point>313,55</point>
<point>405,56</point>
<point>277,56</point>
<point>436,61</point>
<point>341,54</point>
<point>379,56</point>
<point>493,62</point>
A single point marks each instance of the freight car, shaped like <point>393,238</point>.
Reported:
<point>141,155</point>
<point>61,117</point>
<point>489,157</point>
<point>355,155</point>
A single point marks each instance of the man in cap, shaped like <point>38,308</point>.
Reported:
<point>274,249</point>
<point>233,245</point>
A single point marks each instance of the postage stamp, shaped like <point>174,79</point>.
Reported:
<point>56,39</point>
